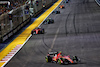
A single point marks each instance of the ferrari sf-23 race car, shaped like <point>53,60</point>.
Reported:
<point>58,58</point>
<point>56,12</point>
<point>48,21</point>
<point>38,30</point>
<point>61,6</point>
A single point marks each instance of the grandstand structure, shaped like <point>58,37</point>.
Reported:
<point>7,5</point>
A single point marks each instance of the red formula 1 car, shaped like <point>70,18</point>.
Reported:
<point>58,58</point>
<point>37,30</point>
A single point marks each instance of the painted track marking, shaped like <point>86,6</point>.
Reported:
<point>54,40</point>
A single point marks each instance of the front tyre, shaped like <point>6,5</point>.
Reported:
<point>43,31</point>
<point>33,32</point>
<point>59,61</point>
<point>46,58</point>
<point>66,62</point>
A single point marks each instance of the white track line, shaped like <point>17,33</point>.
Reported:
<point>54,40</point>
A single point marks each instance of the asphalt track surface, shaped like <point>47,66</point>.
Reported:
<point>76,31</point>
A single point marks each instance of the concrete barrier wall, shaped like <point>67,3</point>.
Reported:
<point>48,3</point>
<point>54,1</point>
<point>37,7</point>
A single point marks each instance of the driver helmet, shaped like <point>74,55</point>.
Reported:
<point>60,51</point>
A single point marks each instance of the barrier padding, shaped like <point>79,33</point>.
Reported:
<point>21,39</point>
